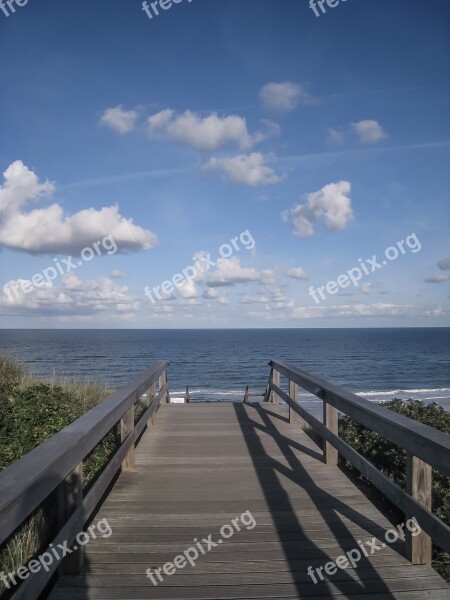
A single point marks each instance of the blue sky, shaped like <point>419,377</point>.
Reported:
<point>317,141</point>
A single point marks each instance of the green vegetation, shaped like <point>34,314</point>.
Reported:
<point>31,411</point>
<point>391,461</point>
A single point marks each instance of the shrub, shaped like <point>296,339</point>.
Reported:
<point>391,460</point>
<point>31,412</point>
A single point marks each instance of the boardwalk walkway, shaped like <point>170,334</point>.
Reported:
<point>203,465</point>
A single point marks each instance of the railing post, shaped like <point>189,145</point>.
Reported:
<point>419,485</point>
<point>126,429</point>
<point>162,383</point>
<point>267,394</point>
<point>293,394</point>
<point>151,394</point>
<point>330,420</point>
<point>276,381</point>
<point>69,499</point>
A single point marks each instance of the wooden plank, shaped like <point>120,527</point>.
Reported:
<point>194,577</point>
<point>330,589</point>
<point>383,563</point>
<point>410,595</point>
<point>307,513</point>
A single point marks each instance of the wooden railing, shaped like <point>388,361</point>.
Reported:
<point>426,448</point>
<point>56,466</point>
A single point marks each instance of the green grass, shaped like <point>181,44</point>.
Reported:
<point>31,411</point>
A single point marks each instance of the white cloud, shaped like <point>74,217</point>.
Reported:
<point>72,297</point>
<point>335,136</point>
<point>444,264</point>
<point>21,186</point>
<point>119,120</point>
<point>272,298</point>
<point>187,290</point>
<point>354,310</point>
<point>117,274</point>
<point>367,288</point>
<point>332,204</point>
<point>297,273</point>
<point>284,96</point>
<point>255,300</point>
<point>369,132</point>
<point>244,169</point>
<point>440,278</point>
<point>210,294</point>
<point>229,272</point>
<point>49,230</point>
<point>271,129</point>
<point>271,302</point>
<point>213,294</point>
<point>438,311</point>
<point>204,133</point>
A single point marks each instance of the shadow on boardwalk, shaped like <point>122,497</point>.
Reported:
<point>331,511</point>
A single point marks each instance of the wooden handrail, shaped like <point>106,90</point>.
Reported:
<point>423,441</point>
<point>56,464</point>
<point>426,448</point>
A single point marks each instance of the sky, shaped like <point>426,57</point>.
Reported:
<point>224,164</point>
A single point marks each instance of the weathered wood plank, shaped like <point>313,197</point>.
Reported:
<point>370,589</point>
<point>307,513</point>
<point>419,486</point>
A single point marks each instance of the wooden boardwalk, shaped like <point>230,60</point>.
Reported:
<point>203,465</point>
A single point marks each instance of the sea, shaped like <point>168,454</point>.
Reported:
<point>217,365</point>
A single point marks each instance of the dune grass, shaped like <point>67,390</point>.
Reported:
<point>31,411</point>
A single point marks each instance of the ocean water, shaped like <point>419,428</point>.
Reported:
<point>378,364</point>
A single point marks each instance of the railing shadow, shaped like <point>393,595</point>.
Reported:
<point>331,509</point>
